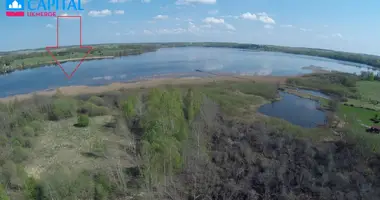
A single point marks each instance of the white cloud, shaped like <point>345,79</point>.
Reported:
<point>263,17</point>
<point>287,26</point>
<point>99,13</point>
<point>337,35</point>
<point>68,18</point>
<point>248,16</point>
<point>192,28</point>
<point>213,20</point>
<point>230,16</point>
<point>171,31</point>
<point>118,1</point>
<point>262,14</point>
<point>117,34</point>
<point>145,1</point>
<point>188,2</point>
<point>266,19</point>
<point>49,26</point>
<point>161,17</point>
<point>177,18</point>
<point>305,30</point>
<point>119,12</point>
<point>148,32</point>
<point>230,27</point>
<point>268,26</point>
<point>218,21</point>
<point>213,12</point>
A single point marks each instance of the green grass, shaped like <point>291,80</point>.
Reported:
<point>369,93</point>
<point>369,89</point>
<point>362,103</point>
<point>239,98</point>
<point>356,132</point>
<point>353,114</point>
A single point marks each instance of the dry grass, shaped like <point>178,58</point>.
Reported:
<point>63,145</point>
<point>77,90</point>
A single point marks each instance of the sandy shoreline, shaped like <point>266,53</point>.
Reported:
<point>148,83</point>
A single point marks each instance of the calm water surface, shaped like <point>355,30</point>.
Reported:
<point>164,61</point>
<point>296,110</point>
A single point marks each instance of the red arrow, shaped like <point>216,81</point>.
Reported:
<point>48,49</point>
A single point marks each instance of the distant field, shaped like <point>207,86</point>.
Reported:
<point>353,113</point>
<point>369,89</point>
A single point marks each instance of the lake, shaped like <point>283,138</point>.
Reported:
<point>296,110</point>
<point>162,62</point>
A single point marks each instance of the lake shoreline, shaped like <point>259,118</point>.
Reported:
<point>147,83</point>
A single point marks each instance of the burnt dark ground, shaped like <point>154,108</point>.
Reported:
<point>256,161</point>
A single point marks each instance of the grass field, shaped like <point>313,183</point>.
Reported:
<point>369,89</point>
<point>61,144</point>
<point>353,114</point>
<point>369,92</point>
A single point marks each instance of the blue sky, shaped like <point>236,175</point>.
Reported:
<point>348,25</point>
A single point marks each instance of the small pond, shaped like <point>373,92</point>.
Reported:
<point>296,110</point>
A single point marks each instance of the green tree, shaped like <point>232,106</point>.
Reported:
<point>371,76</point>
<point>3,193</point>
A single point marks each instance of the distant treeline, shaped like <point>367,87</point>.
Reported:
<point>366,59</point>
<point>11,61</point>
<point>19,61</point>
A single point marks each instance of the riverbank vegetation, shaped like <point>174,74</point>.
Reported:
<point>356,99</point>
<point>26,59</point>
<point>174,142</point>
<point>30,59</point>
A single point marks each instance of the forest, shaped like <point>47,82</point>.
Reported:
<point>176,142</point>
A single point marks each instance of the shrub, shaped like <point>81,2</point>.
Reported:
<point>19,154</point>
<point>97,101</point>
<point>129,107</point>
<point>62,108</point>
<point>83,121</point>
<point>32,189</point>
<point>28,131</point>
<point>92,110</point>
<point>3,193</point>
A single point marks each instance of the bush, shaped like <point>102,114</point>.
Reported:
<point>83,121</point>
<point>28,131</point>
<point>62,108</point>
<point>3,194</point>
<point>92,110</point>
<point>97,101</point>
<point>19,154</point>
<point>129,107</point>
<point>32,189</point>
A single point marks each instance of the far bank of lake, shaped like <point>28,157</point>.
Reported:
<point>166,61</point>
